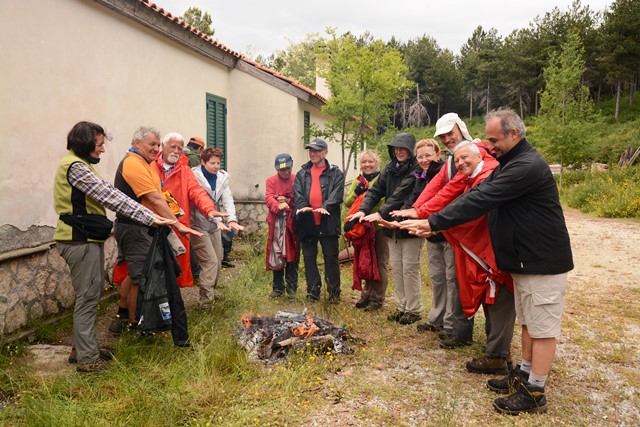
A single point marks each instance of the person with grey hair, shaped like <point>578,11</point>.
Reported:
<point>172,166</point>
<point>136,178</point>
<point>531,241</point>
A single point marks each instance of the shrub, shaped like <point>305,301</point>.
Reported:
<point>611,194</point>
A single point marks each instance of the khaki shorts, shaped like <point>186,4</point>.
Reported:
<point>539,302</point>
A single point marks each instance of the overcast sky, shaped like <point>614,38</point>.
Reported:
<point>261,27</point>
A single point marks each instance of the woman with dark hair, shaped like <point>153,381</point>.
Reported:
<point>80,197</point>
<point>208,247</point>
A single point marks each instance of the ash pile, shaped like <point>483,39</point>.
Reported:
<point>270,339</point>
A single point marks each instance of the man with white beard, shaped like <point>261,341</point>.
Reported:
<point>177,177</point>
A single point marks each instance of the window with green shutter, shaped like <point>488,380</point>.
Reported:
<point>217,125</point>
<point>307,124</point>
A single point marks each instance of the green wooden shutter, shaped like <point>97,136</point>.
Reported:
<point>217,125</point>
<point>307,124</point>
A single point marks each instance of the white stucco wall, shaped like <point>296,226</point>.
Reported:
<point>66,61</point>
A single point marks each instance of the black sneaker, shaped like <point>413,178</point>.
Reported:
<point>362,303</point>
<point>103,354</point>
<point>409,318</point>
<point>334,299</point>
<point>487,365</point>
<point>311,298</point>
<point>445,334</point>
<point>227,264</point>
<point>373,306</point>
<point>528,398</point>
<point>455,342</point>
<point>428,327</point>
<point>276,294</point>
<point>119,324</point>
<point>395,316</point>
<point>508,384</point>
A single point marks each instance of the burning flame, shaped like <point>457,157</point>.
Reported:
<point>246,321</point>
<point>306,329</point>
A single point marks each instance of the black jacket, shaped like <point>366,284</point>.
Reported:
<point>395,184</point>
<point>332,183</point>
<point>526,223</point>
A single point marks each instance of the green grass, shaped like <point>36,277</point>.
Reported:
<point>395,377</point>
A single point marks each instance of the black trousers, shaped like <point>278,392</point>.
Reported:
<point>288,274</point>
<point>330,249</point>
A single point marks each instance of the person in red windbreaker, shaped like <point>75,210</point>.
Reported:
<point>283,250</point>
<point>480,281</point>
<point>176,176</point>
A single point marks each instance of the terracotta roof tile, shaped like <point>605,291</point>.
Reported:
<point>177,20</point>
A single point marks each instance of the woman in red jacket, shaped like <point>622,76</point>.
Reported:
<point>283,251</point>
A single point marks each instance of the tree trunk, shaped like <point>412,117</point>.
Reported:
<point>471,104</point>
<point>632,92</point>
<point>521,108</point>
<point>618,93</point>
<point>535,102</point>
<point>598,96</point>
<point>488,93</point>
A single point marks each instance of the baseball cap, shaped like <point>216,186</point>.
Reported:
<point>446,123</point>
<point>317,144</point>
<point>283,160</point>
<point>197,140</point>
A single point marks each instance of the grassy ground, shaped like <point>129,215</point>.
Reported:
<point>397,378</point>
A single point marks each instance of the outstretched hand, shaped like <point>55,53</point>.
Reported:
<point>159,220</point>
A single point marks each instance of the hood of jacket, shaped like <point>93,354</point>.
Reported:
<point>403,140</point>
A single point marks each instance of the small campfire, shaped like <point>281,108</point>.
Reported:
<point>269,339</point>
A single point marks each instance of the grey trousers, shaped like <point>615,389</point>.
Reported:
<point>501,318</point>
<point>208,250</point>
<point>375,290</point>
<point>442,271</point>
<point>86,262</point>
<point>404,257</point>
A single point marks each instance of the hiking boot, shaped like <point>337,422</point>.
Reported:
<point>409,318</point>
<point>373,306</point>
<point>455,342</point>
<point>508,384</point>
<point>488,365</point>
<point>119,324</point>
<point>276,294</point>
<point>97,366</point>
<point>428,327</point>
<point>445,334</point>
<point>395,316</point>
<point>528,398</point>
<point>227,264</point>
<point>103,354</point>
<point>334,299</point>
<point>311,298</point>
<point>362,303</point>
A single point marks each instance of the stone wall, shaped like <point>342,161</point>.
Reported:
<point>35,284</point>
<point>252,214</point>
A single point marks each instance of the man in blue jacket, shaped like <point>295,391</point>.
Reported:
<point>318,193</point>
<point>531,241</point>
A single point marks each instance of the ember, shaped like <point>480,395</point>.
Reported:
<point>270,339</point>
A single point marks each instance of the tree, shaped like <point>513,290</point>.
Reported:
<point>621,47</point>
<point>566,110</point>
<point>364,77</point>
<point>478,64</point>
<point>298,61</point>
<point>194,17</point>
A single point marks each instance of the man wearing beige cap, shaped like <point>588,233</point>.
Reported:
<point>193,150</point>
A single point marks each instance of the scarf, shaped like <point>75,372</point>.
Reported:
<point>210,177</point>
